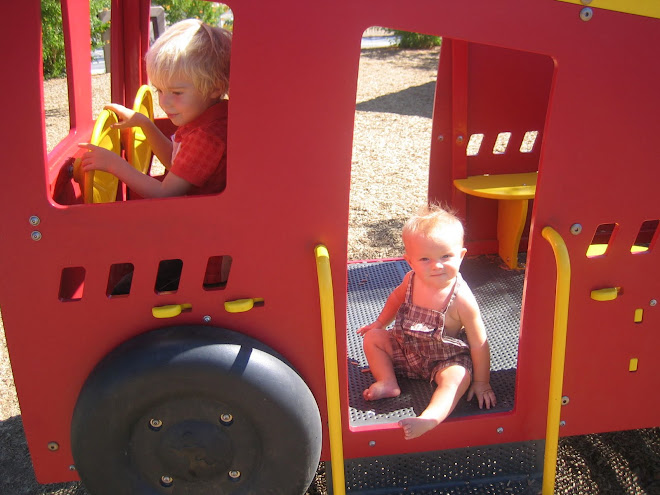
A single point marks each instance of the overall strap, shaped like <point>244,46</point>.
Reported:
<point>409,289</point>
<point>454,290</point>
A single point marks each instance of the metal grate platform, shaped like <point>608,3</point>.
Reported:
<point>514,468</point>
<point>499,293</point>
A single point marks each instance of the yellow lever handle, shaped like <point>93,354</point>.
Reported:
<point>242,305</point>
<point>606,294</point>
<point>169,311</point>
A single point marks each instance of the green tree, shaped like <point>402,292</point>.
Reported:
<point>416,40</point>
<point>54,62</point>
<point>177,10</point>
<point>54,59</point>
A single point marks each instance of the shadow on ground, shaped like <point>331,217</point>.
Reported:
<point>420,98</point>
<point>17,476</point>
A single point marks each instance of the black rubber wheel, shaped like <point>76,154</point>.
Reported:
<point>197,411</point>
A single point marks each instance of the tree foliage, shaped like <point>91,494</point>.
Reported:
<point>52,39</point>
<point>54,58</point>
<point>177,10</point>
<point>416,40</point>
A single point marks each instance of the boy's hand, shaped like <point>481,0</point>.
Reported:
<point>127,117</point>
<point>97,158</point>
<point>484,393</point>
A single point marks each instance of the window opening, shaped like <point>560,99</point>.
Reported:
<point>529,139</point>
<point>474,144</point>
<point>120,279</point>
<point>391,157</point>
<point>601,240</point>
<point>56,96</point>
<point>646,237</point>
<point>169,276</point>
<point>217,272</point>
<point>501,143</point>
<point>72,284</point>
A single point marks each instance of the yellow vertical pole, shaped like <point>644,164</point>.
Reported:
<point>562,292</point>
<point>331,369</point>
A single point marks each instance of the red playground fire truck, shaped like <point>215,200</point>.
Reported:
<point>244,386</point>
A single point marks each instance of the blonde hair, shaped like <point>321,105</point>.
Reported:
<point>430,219</point>
<point>193,50</point>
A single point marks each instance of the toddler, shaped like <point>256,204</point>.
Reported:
<point>438,333</point>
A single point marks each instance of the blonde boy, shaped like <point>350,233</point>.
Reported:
<point>438,334</point>
<point>189,66</point>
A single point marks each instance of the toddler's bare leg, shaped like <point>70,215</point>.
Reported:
<point>378,349</point>
<point>452,382</point>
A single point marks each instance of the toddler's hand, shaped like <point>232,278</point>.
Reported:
<point>366,328</point>
<point>484,393</point>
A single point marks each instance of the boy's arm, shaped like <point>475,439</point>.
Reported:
<point>160,144</point>
<point>475,330</point>
<point>390,309</point>
<point>97,158</point>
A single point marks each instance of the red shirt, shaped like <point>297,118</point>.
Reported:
<point>200,151</point>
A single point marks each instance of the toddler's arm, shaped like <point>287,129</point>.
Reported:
<point>159,142</point>
<point>470,317</point>
<point>390,309</point>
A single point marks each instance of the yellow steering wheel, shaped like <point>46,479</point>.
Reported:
<point>101,187</point>
<point>98,186</point>
<point>138,152</point>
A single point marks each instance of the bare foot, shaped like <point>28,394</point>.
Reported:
<point>380,390</point>
<point>416,427</point>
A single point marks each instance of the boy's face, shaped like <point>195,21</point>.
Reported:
<point>182,102</point>
<point>435,258</point>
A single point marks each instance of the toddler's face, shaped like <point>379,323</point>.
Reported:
<point>435,258</point>
<point>182,102</point>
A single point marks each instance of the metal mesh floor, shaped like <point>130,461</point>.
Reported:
<point>499,294</point>
<point>514,468</point>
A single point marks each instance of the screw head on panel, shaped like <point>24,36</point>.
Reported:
<point>576,229</point>
<point>586,14</point>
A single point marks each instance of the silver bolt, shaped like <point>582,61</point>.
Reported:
<point>53,446</point>
<point>206,319</point>
<point>576,229</point>
<point>226,419</point>
<point>155,424</point>
<point>234,474</point>
<point>562,423</point>
<point>72,467</point>
<point>653,302</point>
<point>500,430</point>
<point>166,480</point>
<point>459,140</point>
<point>565,400</point>
<point>586,14</point>
<point>441,138</point>
<point>36,235</point>
<point>372,443</point>
<point>35,220</point>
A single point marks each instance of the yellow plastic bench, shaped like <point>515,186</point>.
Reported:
<point>513,191</point>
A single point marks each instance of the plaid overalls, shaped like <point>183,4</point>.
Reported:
<point>420,348</point>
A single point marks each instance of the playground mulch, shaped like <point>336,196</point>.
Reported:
<point>389,177</point>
